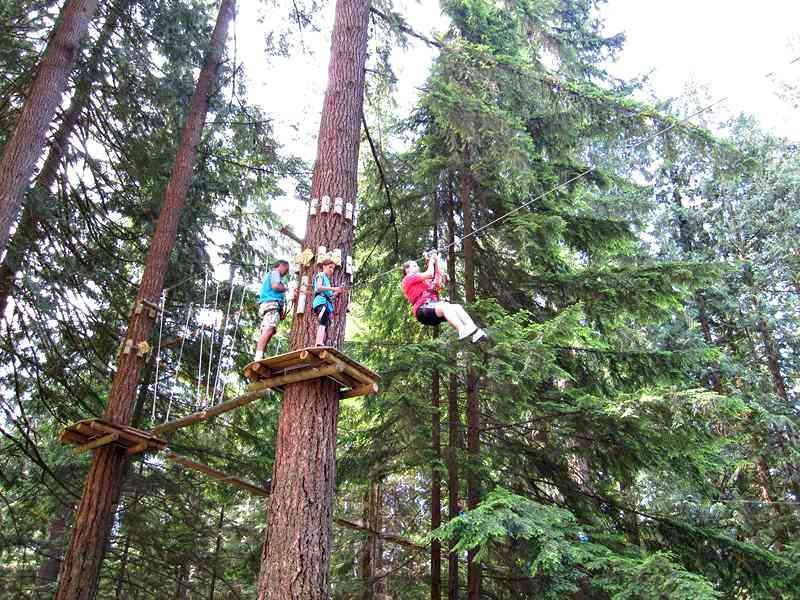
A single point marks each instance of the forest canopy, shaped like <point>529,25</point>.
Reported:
<point>628,429</point>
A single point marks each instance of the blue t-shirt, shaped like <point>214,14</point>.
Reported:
<point>267,293</point>
<point>320,298</point>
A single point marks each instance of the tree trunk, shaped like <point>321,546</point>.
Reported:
<point>764,480</point>
<point>28,232</point>
<point>129,512</point>
<point>771,353</point>
<point>373,550</point>
<point>217,547</point>
<point>182,583</point>
<point>453,417</point>
<point>436,444</point>
<point>25,144</point>
<point>80,570</point>
<point>51,552</point>
<point>436,485</point>
<point>473,408</point>
<point>296,553</point>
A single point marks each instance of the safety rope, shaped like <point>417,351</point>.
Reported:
<point>184,335</point>
<point>158,354</point>
<point>573,179</point>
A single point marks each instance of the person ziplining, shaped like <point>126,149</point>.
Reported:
<point>421,289</point>
<point>271,303</point>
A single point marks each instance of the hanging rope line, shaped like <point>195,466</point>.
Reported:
<point>200,324</point>
<point>212,334</point>
<point>232,347</point>
<point>184,335</point>
<point>222,341</point>
<point>577,177</point>
<point>158,353</point>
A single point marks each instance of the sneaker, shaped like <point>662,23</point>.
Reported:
<point>464,334</point>
<point>258,356</point>
<point>479,335</point>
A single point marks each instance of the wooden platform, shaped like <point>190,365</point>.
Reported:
<point>276,372</point>
<point>94,433</point>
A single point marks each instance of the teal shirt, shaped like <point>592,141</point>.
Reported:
<point>320,298</point>
<point>267,293</point>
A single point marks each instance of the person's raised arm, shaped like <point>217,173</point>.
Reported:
<point>431,270</point>
<point>276,283</point>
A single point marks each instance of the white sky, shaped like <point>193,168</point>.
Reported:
<point>728,46</point>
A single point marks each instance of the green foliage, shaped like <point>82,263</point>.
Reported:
<point>553,547</point>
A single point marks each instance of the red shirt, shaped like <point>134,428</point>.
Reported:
<point>418,291</point>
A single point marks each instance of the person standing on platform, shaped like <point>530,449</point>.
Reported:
<point>271,303</point>
<point>324,294</point>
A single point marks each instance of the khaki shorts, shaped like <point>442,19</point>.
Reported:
<point>270,313</point>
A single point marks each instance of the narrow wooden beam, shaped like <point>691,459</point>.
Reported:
<point>256,394</point>
<point>123,434</point>
<point>215,474</point>
<point>106,439</point>
<point>297,376</point>
<point>364,390</point>
<point>137,449</point>
<point>349,369</point>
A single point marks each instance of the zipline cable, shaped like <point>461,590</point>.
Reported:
<point>581,175</point>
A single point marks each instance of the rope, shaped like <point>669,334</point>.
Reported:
<point>158,354</point>
<point>200,323</point>
<point>581,175</point>
<point>222,341</point>
<point>238,319</point>
<point>184,333</point>
<point>211,344</point>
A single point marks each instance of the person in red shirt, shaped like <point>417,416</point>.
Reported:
<point>428,309</point>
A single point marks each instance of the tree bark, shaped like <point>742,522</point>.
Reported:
<point>296,552</point>
<point>771,353</point>
<point>473,408</point>
<point>182,582</point>
<point>436,442</point>
<point>51,552</point>
<point>28,232</point>
<point>436,485</point>
<point>217,547</point>
<point>764,480</point>
<point>453,417</point>
<point>373,547</point>
<point>24,146</point>
<point>80,570</point>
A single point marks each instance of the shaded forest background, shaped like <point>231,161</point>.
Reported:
<point>632,432</point>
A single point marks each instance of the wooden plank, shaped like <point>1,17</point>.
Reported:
<point>350,370</point>
<point>351,361</point>
<point>72,437</point>
<point>100,426</point>
<point>297,376</point>
<point>218,475</point>
<point>107,439</point>
<point>138,448</point>
<point>364,390</point>
<point>256,394</point>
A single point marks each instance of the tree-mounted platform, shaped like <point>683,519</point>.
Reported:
<point>94,433</point>
<point>275,372</point>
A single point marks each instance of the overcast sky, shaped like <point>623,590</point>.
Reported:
<point>728,46</point>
